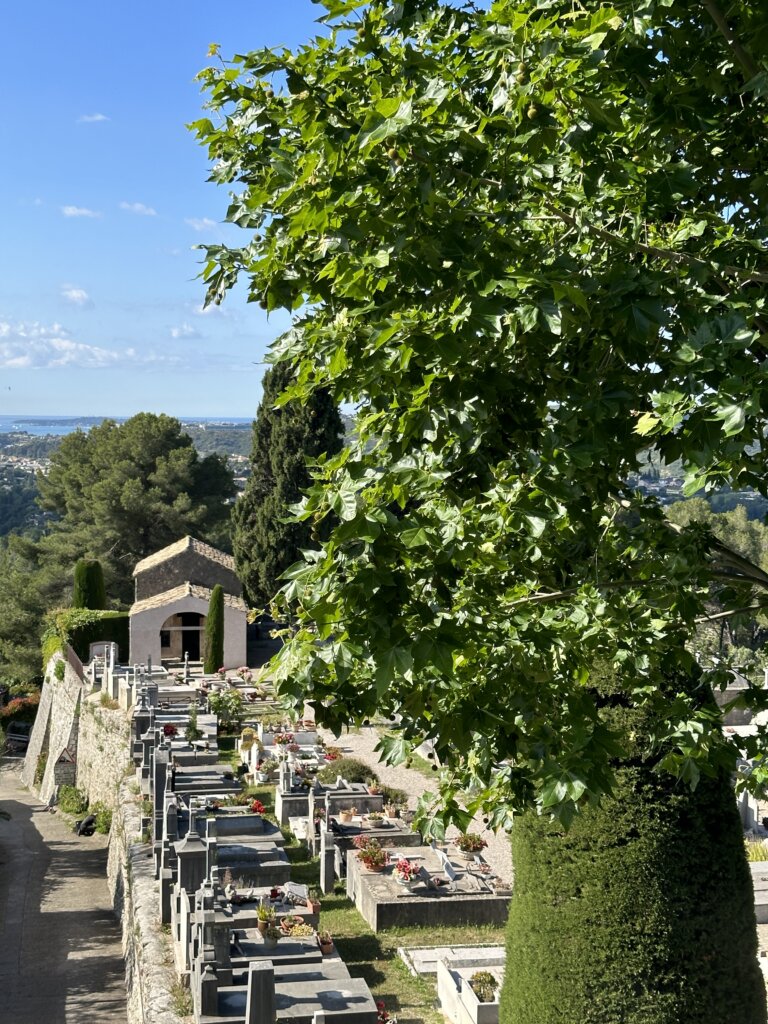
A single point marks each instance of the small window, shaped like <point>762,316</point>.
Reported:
<point>165,638</point>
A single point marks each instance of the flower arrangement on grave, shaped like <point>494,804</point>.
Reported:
<point>293,748</point>
<point>302,931</point>
<point>382,1015</point>
<point>283,739</point>
<point>373,787</point>
<point>375,817</point>
<point>332,753</point>
<point>370,852</point>
<point>470,842</point>
<point>257,807</point>
<point>245,673</point>
<point>247,738</point>
<point>484,985</point>
<point>169,729</point>
<point>404,871</point>
<point>268,765</point>
<point>221,672</point>
<point>265,914</point>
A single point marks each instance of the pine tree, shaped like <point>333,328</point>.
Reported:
<point>89,591</point>
<point>283,439</point>
<point>214,631</point>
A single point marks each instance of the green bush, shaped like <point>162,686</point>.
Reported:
<point>103,815</point>
<point>81,627</point>
<point>214,631</point>
<point>72,801</point>
<point>88,591</point>
<point>20,709</point>
<point>392,795</point>
<point>643,912</point>
<point>59,670</point>
<point>349,768</point>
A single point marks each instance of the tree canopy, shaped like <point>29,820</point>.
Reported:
<point>528,242</point>
<point>285,439</point>
<point>118,493</point>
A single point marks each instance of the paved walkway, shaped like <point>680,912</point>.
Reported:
<point>60,954</point>
<point>360,744</point>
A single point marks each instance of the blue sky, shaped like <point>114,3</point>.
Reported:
<point>103,194</point>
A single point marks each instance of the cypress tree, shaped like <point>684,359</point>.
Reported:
<point>283,439</point>
<point>642,912</point>
<point>214,631</point>
<point>89,591</point>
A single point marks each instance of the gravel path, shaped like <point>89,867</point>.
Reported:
<point>360,744</point>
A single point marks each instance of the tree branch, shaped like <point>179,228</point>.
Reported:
<point>748,66</point>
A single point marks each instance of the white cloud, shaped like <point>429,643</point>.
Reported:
<point>79,211</point>
<point>77,296</point>
<point>92,118</point>
<point>185,330</point>
<point>200,223</point>
<point>29,345</point>
<point>145,211</point>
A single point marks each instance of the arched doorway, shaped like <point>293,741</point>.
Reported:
<point>180,635</point>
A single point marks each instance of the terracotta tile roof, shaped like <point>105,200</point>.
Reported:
<point>185,590</point>
<point>185,544</point>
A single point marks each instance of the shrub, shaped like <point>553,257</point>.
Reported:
<point>395,796</point>
<point>20,709</point>
<point>103,815</point>
<point>349,768</point>
<point>72,801</point>
<point>635,914</point>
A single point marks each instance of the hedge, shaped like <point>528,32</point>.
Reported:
<point>81,627</point>
<point>643,912</point>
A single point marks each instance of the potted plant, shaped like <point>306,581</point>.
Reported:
<point>265,917</point>
<point>404,872</point>
<point>313,901</point>
<point>484,985</point>
<point>470,843</point>
<point>375,817</point>
<point>373,787</point>
<point>370,852</point>
<point>257,807</point>
<point>325,942</point>
<point>169,730</point>
<point>346,814</point>
<point>266,769</point>
<point>289,922</point>
<point>271,936</point>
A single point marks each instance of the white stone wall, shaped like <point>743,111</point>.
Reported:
<point>56,726</point>
<point>145,629</point>
<point>103,757</point>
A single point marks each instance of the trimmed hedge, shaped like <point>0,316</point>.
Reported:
<point>81,627</point>
<point>643,912</point>
<point>214,631</point>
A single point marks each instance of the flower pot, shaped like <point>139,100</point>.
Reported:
<point>325,947</point>
<point>345,816</point>
<point>262,926</point>
<point>270,942</point>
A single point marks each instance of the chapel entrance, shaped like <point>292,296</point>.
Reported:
<point>181,635</point>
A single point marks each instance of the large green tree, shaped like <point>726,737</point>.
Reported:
<point>118,493</point>
<point>529,242</point>
<point>284,438</point>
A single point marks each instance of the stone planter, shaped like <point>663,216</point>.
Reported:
<point>479,1013</point>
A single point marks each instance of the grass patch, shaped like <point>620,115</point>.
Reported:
<point>374,957</point>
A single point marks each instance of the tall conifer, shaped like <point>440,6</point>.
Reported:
<point>214,631</point>
<point>89,591</point>
<point>283,439</point>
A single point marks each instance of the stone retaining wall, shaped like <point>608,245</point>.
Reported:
<point>103,750</point>
<point>150,977</point>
